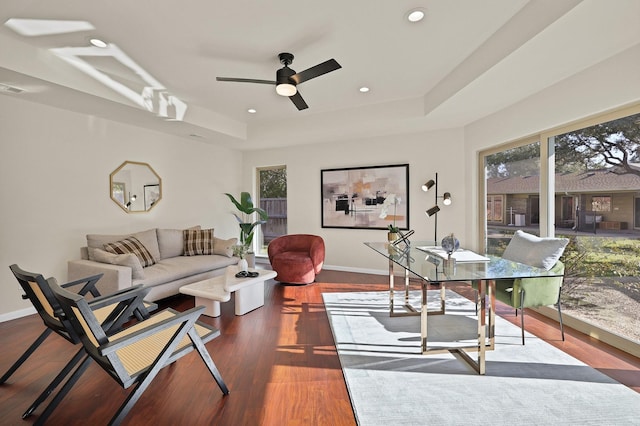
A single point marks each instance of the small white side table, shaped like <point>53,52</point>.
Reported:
<point>249,291</point>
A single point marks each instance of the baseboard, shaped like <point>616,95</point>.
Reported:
<point>17,314</point>
<point>356,270</point>
<point>265,261</point>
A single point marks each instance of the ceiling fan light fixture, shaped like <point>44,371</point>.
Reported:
<point>286,89</point>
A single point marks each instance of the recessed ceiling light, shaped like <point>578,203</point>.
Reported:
<point>415,15</point>
<point>252,111</point>
<point>364,89</point>
<point>98,43</point>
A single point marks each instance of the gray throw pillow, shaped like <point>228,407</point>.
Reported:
<point>171,242</point>
<point>224,247</point>
<point>129,259</point>
<point>535,251</point>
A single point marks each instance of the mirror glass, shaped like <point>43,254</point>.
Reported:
<point>135,187</point>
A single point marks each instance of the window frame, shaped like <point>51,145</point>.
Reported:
<point>547,206</point>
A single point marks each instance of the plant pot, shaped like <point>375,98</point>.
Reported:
<point>392,236</point>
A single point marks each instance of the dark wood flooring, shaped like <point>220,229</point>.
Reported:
<point>279,362</point>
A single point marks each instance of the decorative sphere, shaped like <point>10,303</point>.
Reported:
<point>450,244</point>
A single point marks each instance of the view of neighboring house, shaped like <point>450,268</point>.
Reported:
<point>610,200</point>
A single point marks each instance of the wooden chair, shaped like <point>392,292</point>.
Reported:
<point>113,312</point>
<point>135,355</point>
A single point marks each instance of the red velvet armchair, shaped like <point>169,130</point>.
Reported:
<point>296,258</point>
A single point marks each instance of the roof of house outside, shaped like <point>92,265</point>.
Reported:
<point>576,182</point>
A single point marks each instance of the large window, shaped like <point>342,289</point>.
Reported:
<point>272,197</point>
<point>512,188</point>
<point>591,195</point>
<point>599,166</point>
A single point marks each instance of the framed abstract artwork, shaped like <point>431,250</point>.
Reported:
<point>371,197</point>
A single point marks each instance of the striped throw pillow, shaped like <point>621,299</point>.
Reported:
<point>198,241</point>
<point>131,245</point>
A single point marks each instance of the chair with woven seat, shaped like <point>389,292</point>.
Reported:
<point>296,258</point>
<point>113,310</point>
<point>135,355</point>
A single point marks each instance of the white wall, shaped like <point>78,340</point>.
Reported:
<point>426,154</point>
<point>54,169</point>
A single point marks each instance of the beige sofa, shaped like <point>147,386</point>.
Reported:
<point>170,270</point>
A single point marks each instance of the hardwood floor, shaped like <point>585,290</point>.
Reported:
<point>279,362</point>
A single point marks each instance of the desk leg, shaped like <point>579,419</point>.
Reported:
<point>482,326</point>
<point>423,317</point>
<point>492,314</point>
<point>406,286</point>
<point>390,287</point>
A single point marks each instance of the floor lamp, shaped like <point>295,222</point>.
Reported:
<point>446,200</point>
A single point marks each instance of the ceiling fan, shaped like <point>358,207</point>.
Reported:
<point>287,79</point>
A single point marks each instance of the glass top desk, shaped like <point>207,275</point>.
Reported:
<point>431,268</point>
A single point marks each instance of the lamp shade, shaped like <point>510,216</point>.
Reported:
<point>433,210</point>
<point>446,198</point>
<point>286,89</point>
<point>427,185</point>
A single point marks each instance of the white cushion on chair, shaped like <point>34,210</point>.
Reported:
<point>535,251</point>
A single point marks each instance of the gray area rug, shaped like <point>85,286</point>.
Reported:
<point>391,383</point>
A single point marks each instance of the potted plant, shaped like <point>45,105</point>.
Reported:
<point>240,251</point>
<point>246,208</point>
<point>392,199</point>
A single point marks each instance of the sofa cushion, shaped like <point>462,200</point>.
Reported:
<point>148,238</point>
<point>129,259</point>
<point>171,242</point>
<point>131,245</point>
<point>198,242</point>
<point>176,268</point>
<point>535,251</point>
<point>224,247</point>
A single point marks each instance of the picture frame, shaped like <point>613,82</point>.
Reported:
<point>372,197</point>
<point>151,195</point>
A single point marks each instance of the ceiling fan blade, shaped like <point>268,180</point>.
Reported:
<point>245,80</point>
<point>316,71</point>
<point>298,101</point>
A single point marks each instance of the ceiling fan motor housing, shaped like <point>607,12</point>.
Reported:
<point>283,74</point>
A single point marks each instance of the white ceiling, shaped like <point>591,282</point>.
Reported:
<point>467,59</point>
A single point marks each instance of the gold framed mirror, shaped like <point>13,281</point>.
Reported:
<point>135,187</point>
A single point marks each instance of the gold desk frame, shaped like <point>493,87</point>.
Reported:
<point>485,287</point>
